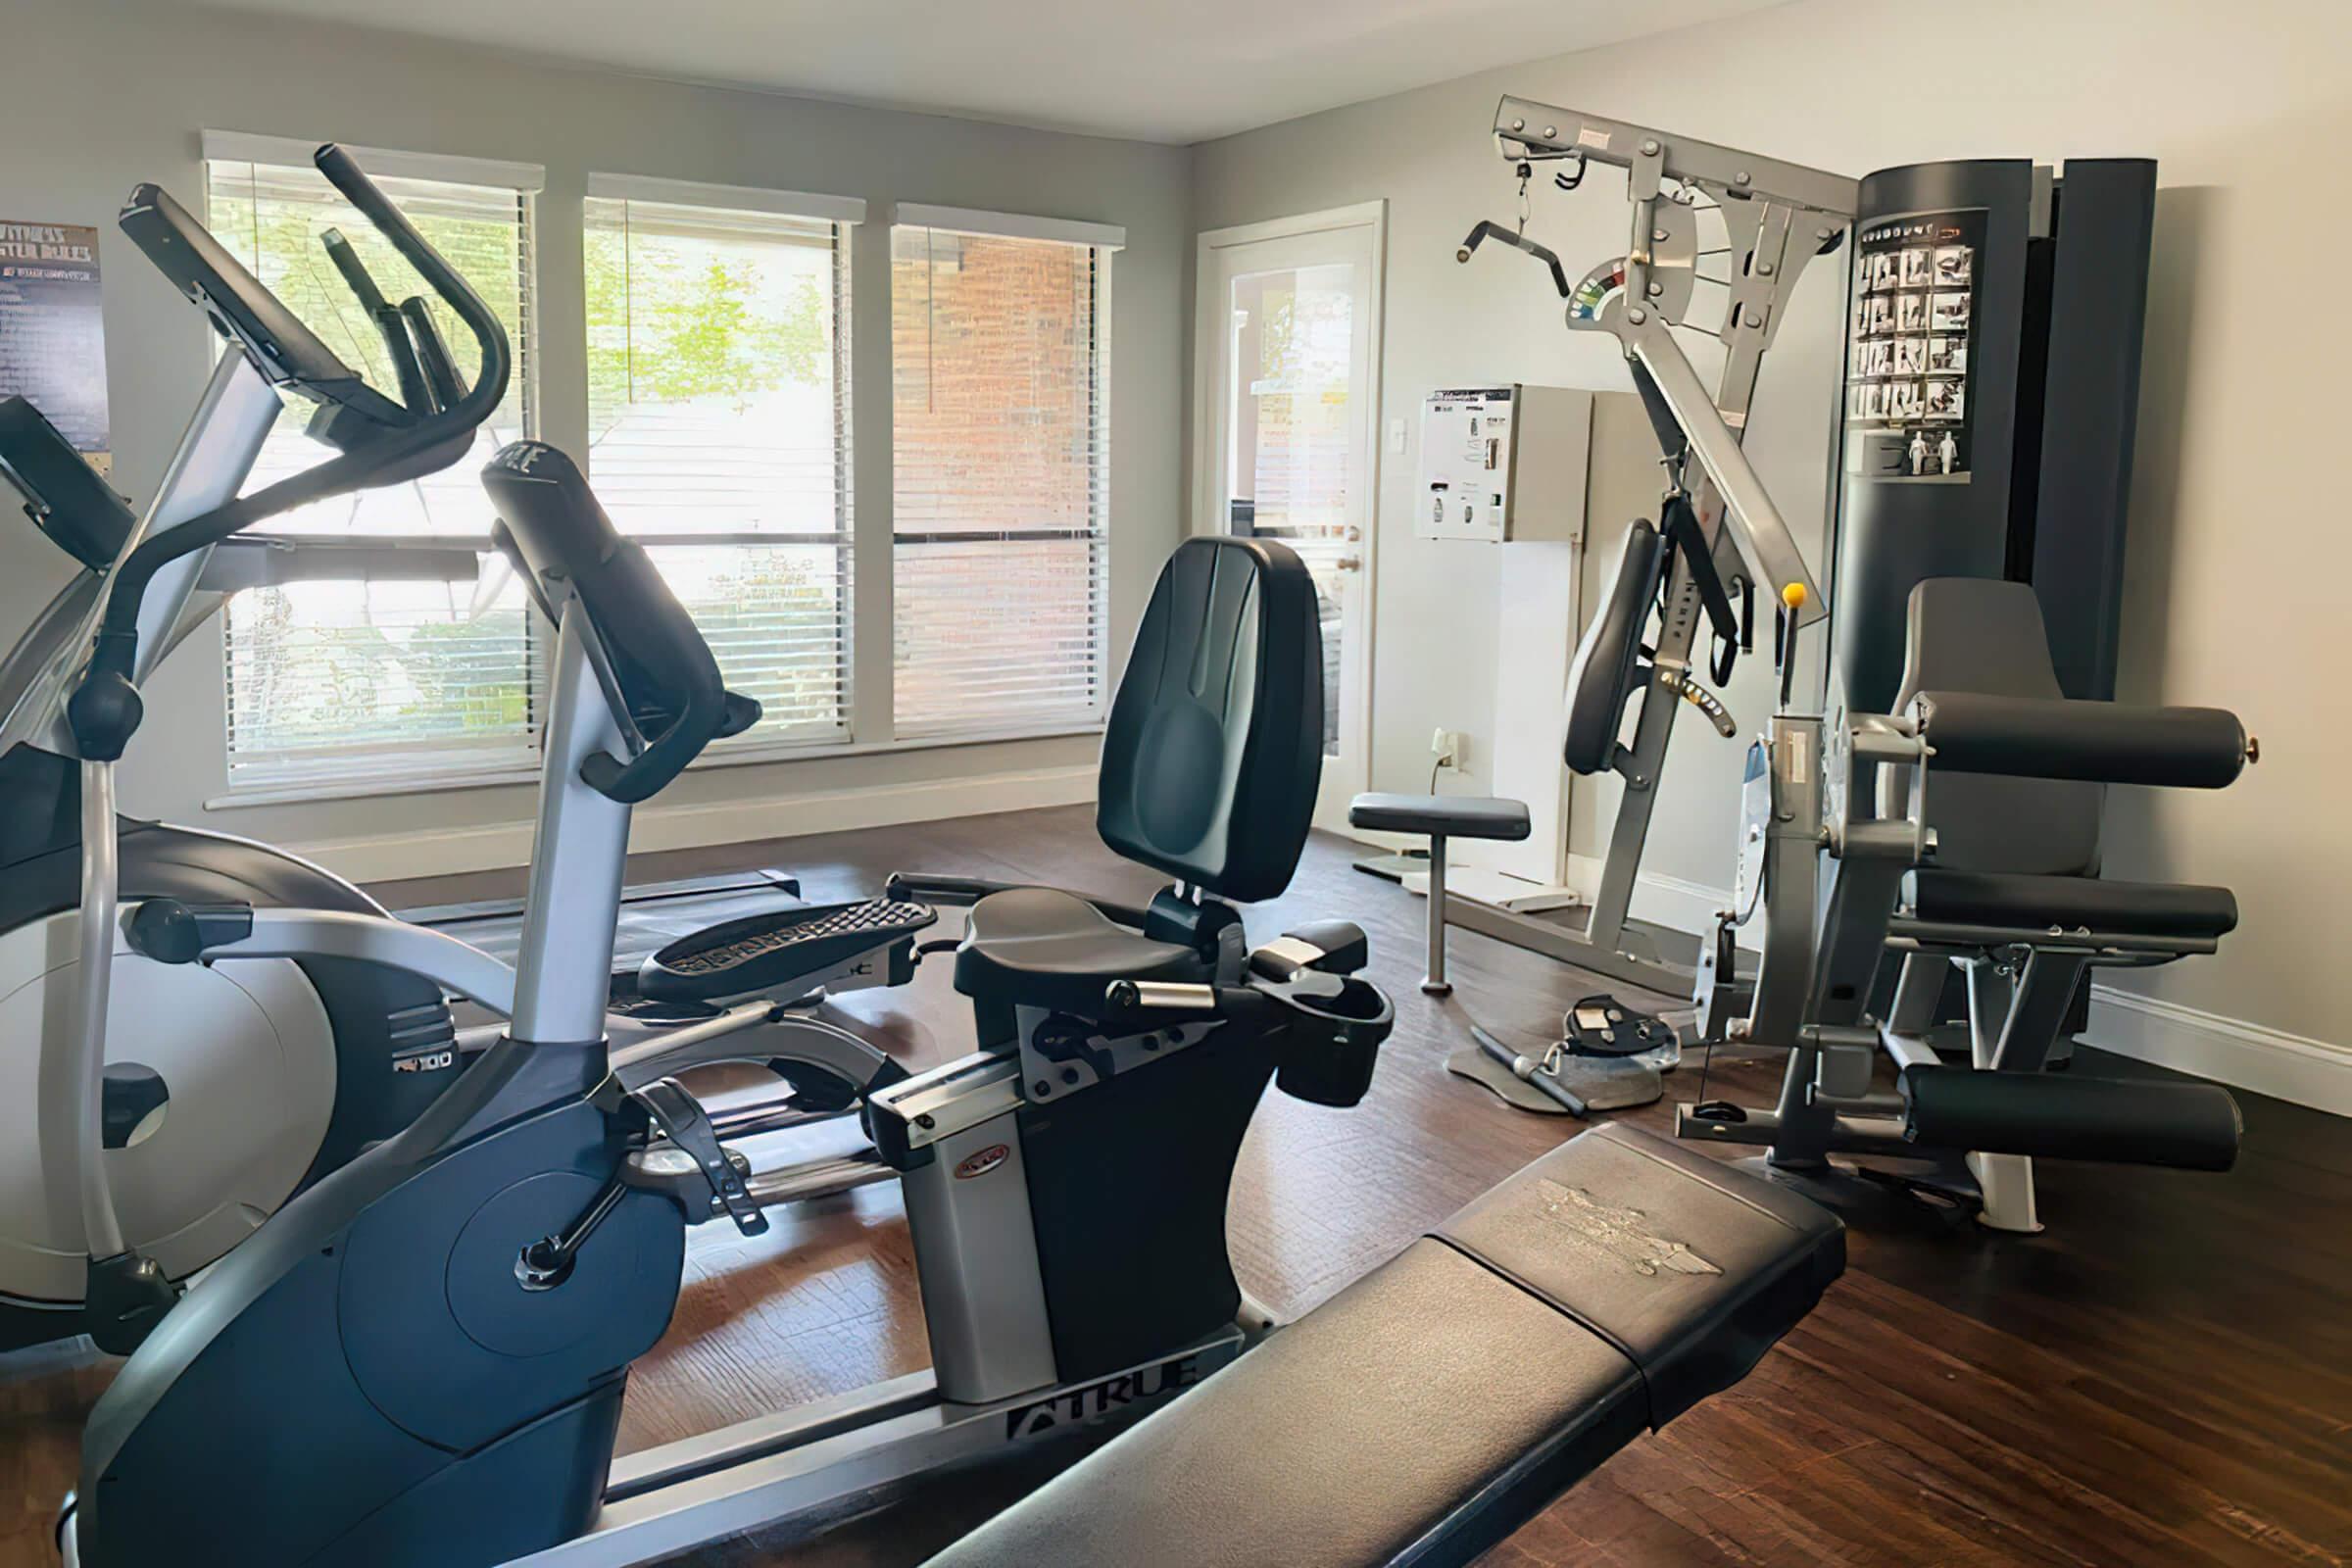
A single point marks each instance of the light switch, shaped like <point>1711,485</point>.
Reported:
<point>1397,437</point>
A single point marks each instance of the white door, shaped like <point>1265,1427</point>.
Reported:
<point>1287,370</point>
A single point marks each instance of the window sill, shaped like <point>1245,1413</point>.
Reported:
<point>240,797</point>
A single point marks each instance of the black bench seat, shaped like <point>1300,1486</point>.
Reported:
<point>1440,817</point>
<point>1455,817</point>
<point>1435,1405</point>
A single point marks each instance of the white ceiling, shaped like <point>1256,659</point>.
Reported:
<point>1167,71</point>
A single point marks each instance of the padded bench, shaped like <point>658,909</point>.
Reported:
<point>1435,1405</point>
<point>1440,817</point>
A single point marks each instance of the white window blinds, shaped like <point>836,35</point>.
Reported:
<point>718,413</point>
<point>1000,354</point>
<point>379,681</point>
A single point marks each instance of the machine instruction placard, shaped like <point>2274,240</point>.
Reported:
<point>52,330</point>
<point>1465,463</point>
<point>1908,409</point>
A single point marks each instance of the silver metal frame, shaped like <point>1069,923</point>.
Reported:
<point>82,1111</point>
<point>1812,992</point>
<point>1813,987</point>
<point>1779,215</point>
<point>573,905</point>
<point>217,453</point>
<point>457,967</point>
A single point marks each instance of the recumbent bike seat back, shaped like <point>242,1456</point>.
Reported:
<point>1210,762</point>
<point>1214,748</point>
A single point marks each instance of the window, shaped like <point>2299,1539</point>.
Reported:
<point>1000,359</point>
<point>374,681</point>
<point>718,419</point>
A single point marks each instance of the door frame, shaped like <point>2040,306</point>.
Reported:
<point>1208,317</point>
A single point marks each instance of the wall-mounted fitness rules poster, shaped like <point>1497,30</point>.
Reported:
<point>1909,413</point>
<point>52,332</point>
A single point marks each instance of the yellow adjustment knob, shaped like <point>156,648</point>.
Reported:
<point>1793,596</point>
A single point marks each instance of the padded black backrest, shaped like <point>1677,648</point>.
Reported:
<point>1215,740</point>
<point>1980,634</point>
<point>1603,676</point>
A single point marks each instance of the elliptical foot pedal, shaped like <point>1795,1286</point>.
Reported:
<point>791,952</point>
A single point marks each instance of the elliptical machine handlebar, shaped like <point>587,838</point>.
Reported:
<point>390,325</point>
<point>490,387</point>
<point>381,441</point>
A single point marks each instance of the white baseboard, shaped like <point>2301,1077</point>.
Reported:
<point>1584,874</point>
<point>2245,1056</point>
<point>390,857</point>
<point>1672,901</point>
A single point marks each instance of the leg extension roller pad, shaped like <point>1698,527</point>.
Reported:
<point>2124,1121</point>
<point>1438,1404</point>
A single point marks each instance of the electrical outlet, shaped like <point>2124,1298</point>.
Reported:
<point>1447,746</point>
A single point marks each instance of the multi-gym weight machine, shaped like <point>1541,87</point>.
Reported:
<point>1924,861</point>
<point>1691,570</point>
<point>1983,461</point>
<point>2044,359</point>
<point>1719,535</point>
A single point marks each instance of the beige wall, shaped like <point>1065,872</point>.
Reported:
<point>102,96</point>
<point>2235,579</point>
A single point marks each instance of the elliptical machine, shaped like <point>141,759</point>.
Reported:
<point>226,1093</point>
<point>261,1084</point>
<point>212,1094</point>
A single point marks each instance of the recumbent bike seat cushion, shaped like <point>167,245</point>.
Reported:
<point>1438,1404</point>
<point>1043,948</point>
<point>1210,762</point>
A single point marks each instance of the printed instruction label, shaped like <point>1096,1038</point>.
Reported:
<point>1908,409</point>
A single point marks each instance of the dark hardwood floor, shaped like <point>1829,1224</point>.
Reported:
<point>2165,1376</point>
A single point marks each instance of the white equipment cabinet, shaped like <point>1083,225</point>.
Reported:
<point>1503,465</point>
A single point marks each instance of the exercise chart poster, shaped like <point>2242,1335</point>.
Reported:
<point>1907,373</point>
<point>53,333</point>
